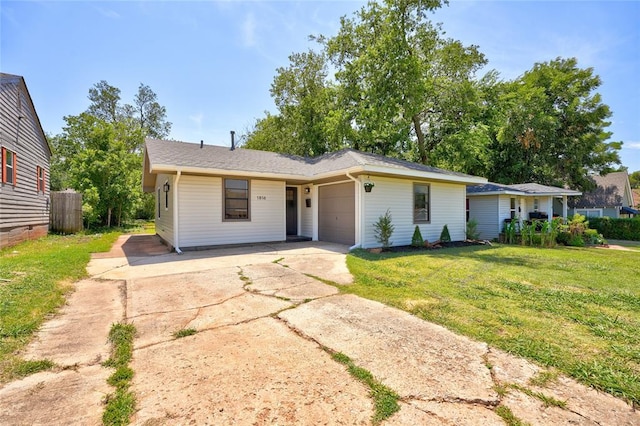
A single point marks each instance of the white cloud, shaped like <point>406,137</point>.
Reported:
<point>108,13</point>
<point>197,118</point>
<point>249,31</point>
<point>632,145</point>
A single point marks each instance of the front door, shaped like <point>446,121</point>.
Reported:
<point>292,210</point>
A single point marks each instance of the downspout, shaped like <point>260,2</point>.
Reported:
<point>176,218</point>
<point>359,209</point>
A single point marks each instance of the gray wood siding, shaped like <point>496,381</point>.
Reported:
<point>21,204</point>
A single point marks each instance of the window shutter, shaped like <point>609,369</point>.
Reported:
<point>44,180</point>
<point>15,168</point>
<point>37,178</point>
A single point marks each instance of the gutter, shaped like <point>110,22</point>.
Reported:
<point>176,218</point>
<point>359,210</point>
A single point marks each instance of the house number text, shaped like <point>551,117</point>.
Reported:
<point>261,197</point>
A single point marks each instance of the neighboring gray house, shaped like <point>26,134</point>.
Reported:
<point>24,168</point>
<point>212,195</point>
<point>612,198</point>
<point>491,204</point>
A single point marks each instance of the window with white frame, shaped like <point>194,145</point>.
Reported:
<point>512,208</point>
<point>236,199</point>
<point>421,203</point>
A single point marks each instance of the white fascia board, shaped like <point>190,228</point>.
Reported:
<point>551,194</point>
<point>418,174</point>
<point>479,194</point>
<point>163,168</point>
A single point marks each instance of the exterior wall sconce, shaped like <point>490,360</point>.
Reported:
<point>307,190</point>
<point>368,185</point>
<point>166,186</point>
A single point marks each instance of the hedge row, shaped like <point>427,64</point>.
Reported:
<point>617,229</point>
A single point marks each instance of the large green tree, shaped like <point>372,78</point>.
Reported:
<point>306,101</point>
<point>99,153</point>
<point>553,128</point>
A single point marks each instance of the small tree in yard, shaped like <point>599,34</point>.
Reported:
<point>444,235</point>
<point>416,240</point>
<point>384,229</point>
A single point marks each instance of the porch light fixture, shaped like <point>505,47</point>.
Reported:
<point>307,190</point>
<point>166,186</point>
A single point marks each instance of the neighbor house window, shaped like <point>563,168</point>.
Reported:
<point>589,212</point>
<point>236,199</point>
<point>512,208</point>
<point>421,204</point>
<point>9,166</point>
<point>536,204</point>
<point>40,179</point>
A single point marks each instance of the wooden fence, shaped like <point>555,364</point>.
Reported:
<point>66,212</point>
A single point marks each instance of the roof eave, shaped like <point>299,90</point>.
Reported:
<point>511,192</point>
<point>419,174</point>
<point>166,168</point>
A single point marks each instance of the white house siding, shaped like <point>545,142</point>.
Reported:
<point>306,213</point>
<point>504,210</point>
<point>200,211</point>
<point>484,210</point>
<point>447,206</point>
<point>164,220</point>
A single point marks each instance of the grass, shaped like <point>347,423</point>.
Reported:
<point>577,310</point>
<point>34,278</point>
<point>385,400</point>
<point>509,418</point>
<point>121,404</point>
<point>184,332</point>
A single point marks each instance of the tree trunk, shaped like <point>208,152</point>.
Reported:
<point>422,152</point>
<point>109,218</point>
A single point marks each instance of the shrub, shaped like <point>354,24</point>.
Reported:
<point>472,230</point>
<point>564,237</point>
<point>384,229</point>
<point>620,229</point>
<point>416,240</point>
<point>445,237</point>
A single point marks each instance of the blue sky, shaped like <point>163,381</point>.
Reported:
<point>211,63</point>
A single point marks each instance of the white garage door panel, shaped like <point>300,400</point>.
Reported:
<point>336,213</point>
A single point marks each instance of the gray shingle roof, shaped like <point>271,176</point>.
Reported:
<point>520,189</point>
<point>173,154</point>
<point>608,193</point>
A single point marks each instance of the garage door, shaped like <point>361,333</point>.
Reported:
<point>336,213</point>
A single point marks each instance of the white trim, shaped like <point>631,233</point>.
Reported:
<point>176,216</point>
<point>363,169</point>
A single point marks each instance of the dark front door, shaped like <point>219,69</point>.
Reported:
<point>292,210</point>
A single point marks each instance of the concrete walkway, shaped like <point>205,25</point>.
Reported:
<point>265,328</point>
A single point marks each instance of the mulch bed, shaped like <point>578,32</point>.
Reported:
<point>438,246</point>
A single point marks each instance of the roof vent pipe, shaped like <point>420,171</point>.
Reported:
<point>233,142</point>
<point>201,143</point>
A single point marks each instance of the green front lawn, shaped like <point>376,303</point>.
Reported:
<point>577,310</point>
<point>34,277</point>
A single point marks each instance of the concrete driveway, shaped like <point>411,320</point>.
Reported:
<point>266,326</point>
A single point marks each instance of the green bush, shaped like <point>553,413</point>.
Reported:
<point>618,229</point>
<point>383,229</point>
<point>472,230</point>
<point>417,240</point>
<point>445,237</point>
